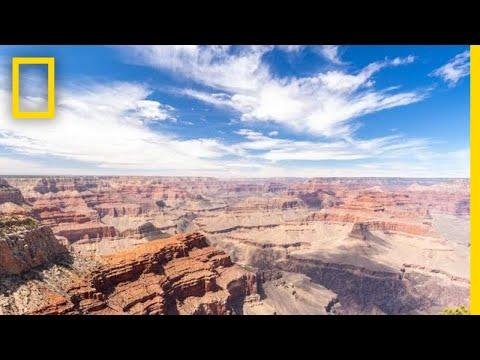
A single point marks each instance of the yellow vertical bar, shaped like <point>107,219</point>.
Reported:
<point>475,179</point>
<point>51,87</point>
<point>15,87</point>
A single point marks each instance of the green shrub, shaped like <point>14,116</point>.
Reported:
<point>9,224</point>
<point>459,310</point>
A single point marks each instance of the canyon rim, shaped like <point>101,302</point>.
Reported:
<point>184,245</point>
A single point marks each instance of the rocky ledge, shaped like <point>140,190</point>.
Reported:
<point>25,245</point>
<point>178,275</point>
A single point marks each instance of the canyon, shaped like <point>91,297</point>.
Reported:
<point>199,245</point>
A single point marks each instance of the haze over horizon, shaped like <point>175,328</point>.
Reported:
<point>232,178</point>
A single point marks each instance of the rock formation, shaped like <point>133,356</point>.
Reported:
<point>179,275</point>
<point>9,194</point>
<point>357,245</point>
<point>25,245</point>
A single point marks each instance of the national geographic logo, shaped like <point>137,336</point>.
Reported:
<point>17,113</point>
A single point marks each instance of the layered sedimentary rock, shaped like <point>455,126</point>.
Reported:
<point>348,241</point>
<point>268,203</point>
<point>179,275</point>
<point>362,229</point>
<point>119,209</point>
<point>9,194</point>
<point>320,199</point>
<point>85,231</point>
<point>25,245</point>
<point>409,289</point>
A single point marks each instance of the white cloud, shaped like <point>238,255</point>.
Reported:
<point>402,61</point>
<point>217,99</point>
<point>324,104</point>
<point>365,169</point>
<point>275,149</point>
<point>106,126</point>
<point>331,53</point>
<point>291,48</point>
<point>455,69</point>
<point>385,156</point>
<point>110,151</point>
<point>247,168</point>
<point>14,166</point>
<point>11,166</point>
<point>211,65</point>
<point>154,111</point>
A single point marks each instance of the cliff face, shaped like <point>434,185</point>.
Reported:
<point>334,232</point>
<point>9,194</point>
<point>24,245</point>
<point>361,230</point>
<point>408,290</point>
<point>179,275</point>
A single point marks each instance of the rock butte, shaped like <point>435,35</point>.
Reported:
<point>172,245</point>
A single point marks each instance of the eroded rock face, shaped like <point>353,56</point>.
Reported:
<point>25,245</point>
<point>410,289</point>
<point>362,230</point>
<point>179,275</point>
<point>85,232</point>
<point>9,194</point>
<point>375,245</point>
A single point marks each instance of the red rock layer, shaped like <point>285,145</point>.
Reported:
<point>362,222</point>
<point>85,232</point>
<point>74,206</point>
<point>361,229</point>
<point>179,275</point>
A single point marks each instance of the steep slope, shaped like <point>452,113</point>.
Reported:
<point>25,245</point>
<point>179,275</point>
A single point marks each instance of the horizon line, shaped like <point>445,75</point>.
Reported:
<point>240,177</point>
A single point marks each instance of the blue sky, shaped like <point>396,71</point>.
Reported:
<point>242,111</point>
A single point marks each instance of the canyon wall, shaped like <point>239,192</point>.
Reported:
<point>362,245</point>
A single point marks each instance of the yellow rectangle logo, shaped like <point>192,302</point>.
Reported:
<point>17,113</point>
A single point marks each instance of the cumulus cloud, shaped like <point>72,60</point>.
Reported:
<point>455,69</point>
<point>153,111</point>
<point>324,104</point>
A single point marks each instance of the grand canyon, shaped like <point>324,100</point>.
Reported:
<point>199,245</point>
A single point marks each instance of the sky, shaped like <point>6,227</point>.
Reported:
<point>241,111</point>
